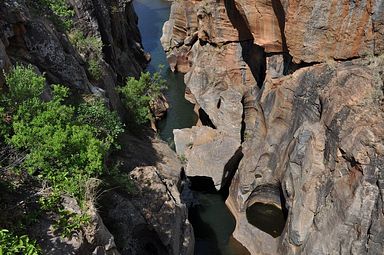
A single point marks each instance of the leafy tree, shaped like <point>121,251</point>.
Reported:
<point>64,145</point>
<point>138,95</point>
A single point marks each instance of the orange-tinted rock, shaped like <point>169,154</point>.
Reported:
<point>218,23</point>
<point>265,20</point>
<point>320,30</point>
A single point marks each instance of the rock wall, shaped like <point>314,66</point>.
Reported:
<point>29,36</point>
<point>320,30</point>
<point>317,138</point>
<point>295,90</point>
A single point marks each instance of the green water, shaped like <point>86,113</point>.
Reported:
<point>152,15</point>
<point>213,226</point>
<point>212,222</point>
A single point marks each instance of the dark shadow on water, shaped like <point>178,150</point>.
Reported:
<point>152,15</point>
<point>212,221</point>
<point>180,114</point>
<point>267,218</point>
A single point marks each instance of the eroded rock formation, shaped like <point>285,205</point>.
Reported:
<point>317,138</point>
<point>29,35</point>
<point>317,31</point>
<point>152,220</point>
<point>314,131</point>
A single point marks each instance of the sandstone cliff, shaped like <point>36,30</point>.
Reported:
<point>295,90</point>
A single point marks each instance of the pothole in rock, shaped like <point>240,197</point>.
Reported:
<point>266,217</point>
<point>265,209</point>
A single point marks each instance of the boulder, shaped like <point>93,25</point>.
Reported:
<point>207,152</point>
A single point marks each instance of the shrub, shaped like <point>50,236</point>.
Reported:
<point>91,49</point>
<point>62,11</point>
<point>138,95</point>
<point>11,244</point>
<point>106,123</point>
<point>25,84</point>
<point>64,145</point>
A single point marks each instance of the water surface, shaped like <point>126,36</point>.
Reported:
<point>152,15</point>
<point>212,222</point>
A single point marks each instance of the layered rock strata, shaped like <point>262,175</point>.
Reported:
<point>314,129</point>
<point>318,137</point>
<point>317,31</point>
<point>198,36</point>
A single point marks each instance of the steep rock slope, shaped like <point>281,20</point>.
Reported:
<point>29,34</point>
<point>199,35</point>
<point>317,141</point>
<point>311,138</point>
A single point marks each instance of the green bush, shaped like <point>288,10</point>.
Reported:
<point>62,11</point>
<point>91,49</point>
<point>11,244</point>
<point>138,95</point>
<point>106,123</point>
<point>64,145</point>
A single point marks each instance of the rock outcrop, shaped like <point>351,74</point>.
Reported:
<point>198,36</point>
<point>30,35</point>
<point>152,219</point>
<point>317,31</point>
<point>311,137</point>
<point>318,139</point>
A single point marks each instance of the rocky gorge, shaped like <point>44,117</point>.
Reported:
<point>150,220</point>
<point>290,100</point>
<point>289,96</point>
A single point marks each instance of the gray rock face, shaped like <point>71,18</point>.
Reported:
<point>33,40</point>
<point>153,216</point>
<point>206,152</point>
<point>115,22</point>
<point>318,137</point>
<point>95,238</point>
<point>30,38</point>
<point>156,216</point>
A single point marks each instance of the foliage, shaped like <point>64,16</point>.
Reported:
<point>106,123</point>
<point>70,222</point>
<point>62,11</point>
<point>90,48</point>
<point>65,145</point>
<point>138,95</point>
<point>11,244</point>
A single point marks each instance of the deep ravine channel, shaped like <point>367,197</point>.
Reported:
<point>212,221</point>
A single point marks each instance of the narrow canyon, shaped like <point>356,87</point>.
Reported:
<point>268,140</point>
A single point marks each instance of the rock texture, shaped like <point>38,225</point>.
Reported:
<point>93,239</point>
<point>152,219</point>
<point>321,30</point>
<point>318,136</point>
<point>115,22</point>
<point>198,36</point>
<point>28,37</point>
<point>155,215</point>
<point>220,22</point>
<point>314,131</point>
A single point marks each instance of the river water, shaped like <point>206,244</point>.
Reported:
<point>213,223</point>
<point>152,15</point>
